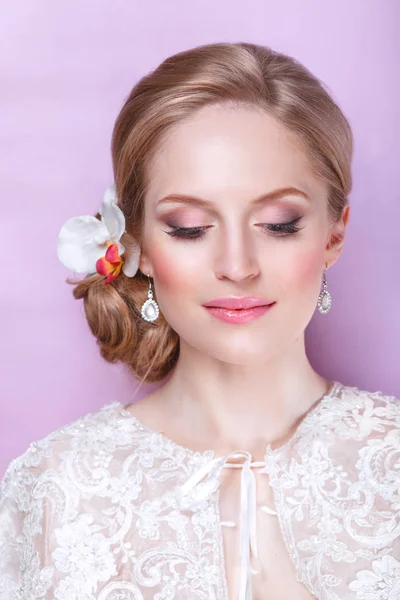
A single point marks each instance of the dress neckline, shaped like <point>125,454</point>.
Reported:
<point>315,408</point>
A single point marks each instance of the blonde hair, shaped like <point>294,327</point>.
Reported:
<point>239,73</point>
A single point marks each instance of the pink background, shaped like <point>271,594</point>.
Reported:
<point>66,68</point>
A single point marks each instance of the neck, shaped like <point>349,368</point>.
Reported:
<point>241,406</point>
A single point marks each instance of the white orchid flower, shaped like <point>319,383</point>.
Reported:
<point>89,245</point>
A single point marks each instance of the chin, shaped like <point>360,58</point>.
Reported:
<point>237,351</point>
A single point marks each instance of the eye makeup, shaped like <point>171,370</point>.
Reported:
<point>192,217</point>
<point>190,222</point>
<point>277,229</point>
<point>185,218</point>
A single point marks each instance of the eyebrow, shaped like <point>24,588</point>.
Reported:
<point>270,197</point>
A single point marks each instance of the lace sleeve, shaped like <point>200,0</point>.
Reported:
<point>23,574</point>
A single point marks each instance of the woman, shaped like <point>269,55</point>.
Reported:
<point>247,475</point>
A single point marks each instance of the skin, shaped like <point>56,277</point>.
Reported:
<point>235,386</point>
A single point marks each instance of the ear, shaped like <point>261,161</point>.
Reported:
<point>335,242</point>
<point>145,265</point>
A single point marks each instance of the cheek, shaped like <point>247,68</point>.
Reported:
<point>303,273</point>
<point>173,273</point>
<point>309,266</point>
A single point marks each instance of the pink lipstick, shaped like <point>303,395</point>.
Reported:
<point>238,310</point>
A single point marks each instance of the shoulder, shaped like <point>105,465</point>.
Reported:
<point>367,435</point>
<point>67,475</point>
<point>102,433</point>
<point>349,419</point>
<point>358,434</point>
<point>362,415</point>
<point>354,431</point>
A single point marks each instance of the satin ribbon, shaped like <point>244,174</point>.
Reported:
<point>191,493</point>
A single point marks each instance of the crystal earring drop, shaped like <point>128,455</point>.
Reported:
<point>324,299</point>
<point>150,310</point>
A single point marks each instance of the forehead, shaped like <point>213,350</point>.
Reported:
<point>225,149</point>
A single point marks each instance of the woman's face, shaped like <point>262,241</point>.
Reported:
<point>209,177</point>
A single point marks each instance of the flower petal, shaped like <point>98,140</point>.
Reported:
<point>112,215</point>
<point>131,259</point>
<point>109,196</point>
<point>103,267</point>
<point>114,273</point>
<point>80,243</point>
<point>112,254</point>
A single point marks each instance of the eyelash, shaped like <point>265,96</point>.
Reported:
<point>196,233</point>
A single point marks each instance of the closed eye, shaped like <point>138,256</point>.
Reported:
<point>191,233</point>
<point>285,228</point>
<point>196,233</point>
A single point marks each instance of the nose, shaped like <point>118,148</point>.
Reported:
<point>236,257</point>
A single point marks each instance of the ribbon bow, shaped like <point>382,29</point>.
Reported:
<point>193,492</point>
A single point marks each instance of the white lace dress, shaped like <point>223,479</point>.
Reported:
<point>108,509</point>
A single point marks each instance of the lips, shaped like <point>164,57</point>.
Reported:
<point>239,316</point>
<point>233,303</point>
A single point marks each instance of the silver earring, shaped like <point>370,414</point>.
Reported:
<point>324,299</point>
<point>150,310</point>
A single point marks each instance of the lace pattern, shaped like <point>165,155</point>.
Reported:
<point>90,512</point>
<point>336,490</point>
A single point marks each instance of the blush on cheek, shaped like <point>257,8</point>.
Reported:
<point>164,271</point>
<point>170,272</point>
<point>307,269</point>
